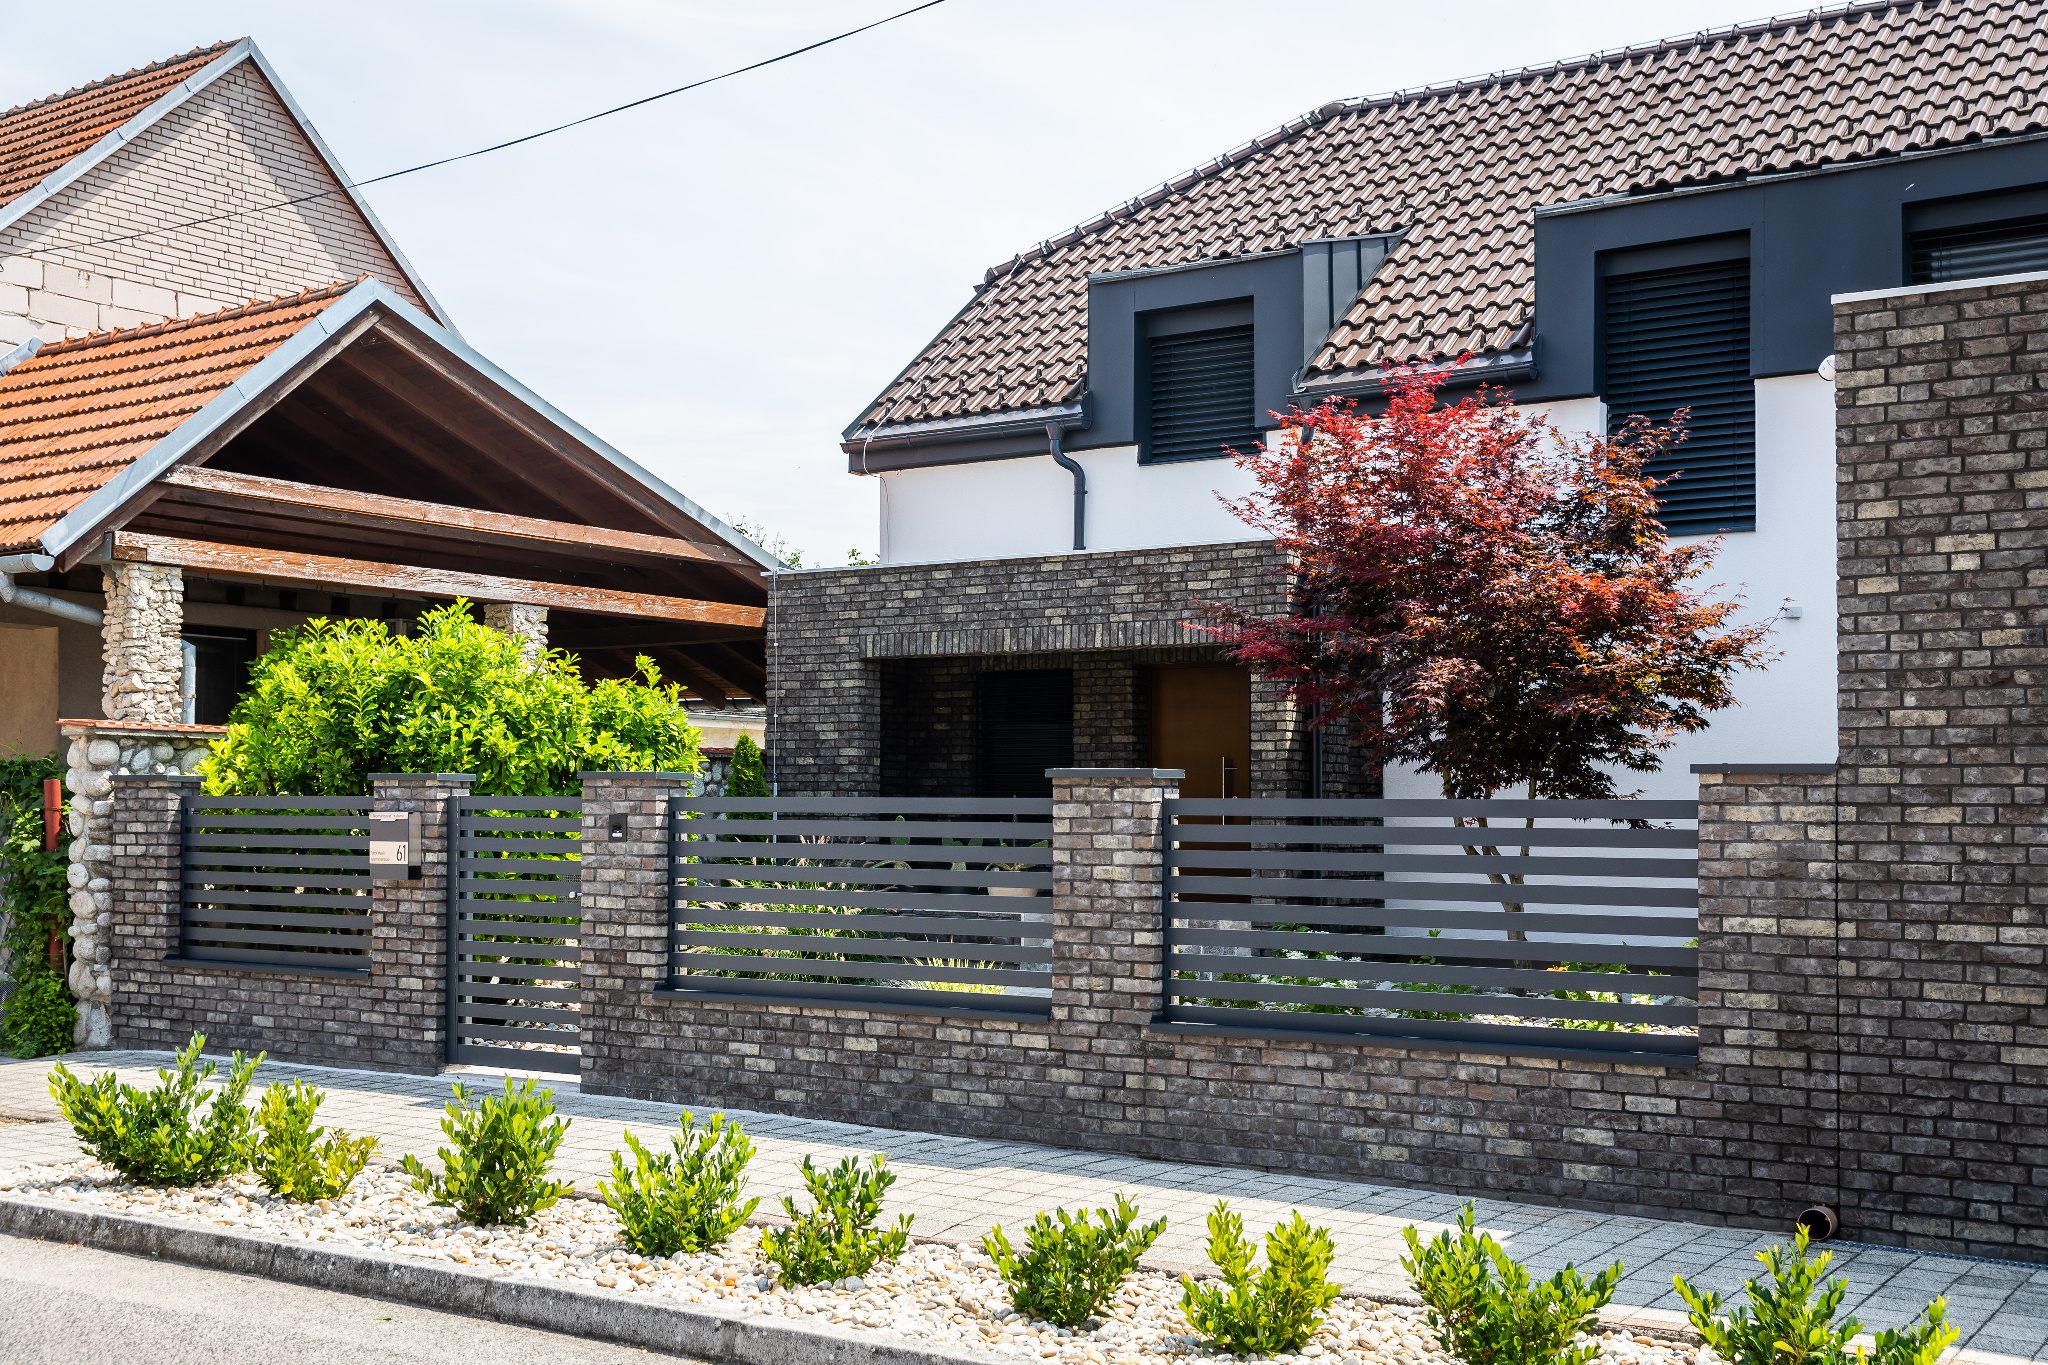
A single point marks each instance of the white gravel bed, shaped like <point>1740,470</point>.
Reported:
<point>935,1295</point>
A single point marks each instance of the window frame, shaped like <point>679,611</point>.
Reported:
<point>1167,323</point>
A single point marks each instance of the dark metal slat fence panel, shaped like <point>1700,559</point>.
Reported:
<point>279,881</point>
<point>514,926</point>
<point>1569,926</point>
<point>902,902</point>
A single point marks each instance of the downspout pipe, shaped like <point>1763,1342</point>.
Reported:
<point>1054,435</point>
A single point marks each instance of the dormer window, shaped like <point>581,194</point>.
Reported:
<point>1674,333</point>
<point>1967,239</point>
<point>1196,382</point>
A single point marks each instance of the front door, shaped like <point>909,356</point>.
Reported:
<point>1202,724</point>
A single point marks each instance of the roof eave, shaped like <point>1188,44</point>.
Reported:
<point>105,505</point>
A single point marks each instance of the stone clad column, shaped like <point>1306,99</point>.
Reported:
<point>625,907</point>
<point>527,624</point>
<point>142,644</point>
<point>1108,876</point>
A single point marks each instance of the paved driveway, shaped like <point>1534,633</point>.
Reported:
<point>957,1187</point>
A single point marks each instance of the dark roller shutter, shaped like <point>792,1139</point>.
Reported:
<point>1027,726</point>
<point>1199,394</point>
<point>1679,338</point>
<point>2013,247</point>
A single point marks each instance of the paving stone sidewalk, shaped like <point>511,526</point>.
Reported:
<point>957,1187</point>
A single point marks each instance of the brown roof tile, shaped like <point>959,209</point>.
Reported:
<point>76,414</point>
<point>46,134</point>
<point>1463,166</point>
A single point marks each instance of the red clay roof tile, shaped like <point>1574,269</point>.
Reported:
<point>44,135</point>
<point>77,413</point>
<point>1462,166</point>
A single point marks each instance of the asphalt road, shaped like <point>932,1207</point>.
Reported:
<point>69,1305</point>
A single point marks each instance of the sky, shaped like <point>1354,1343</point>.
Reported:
<point>719,283</point>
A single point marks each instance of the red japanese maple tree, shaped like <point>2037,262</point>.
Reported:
<point>1484,596</point>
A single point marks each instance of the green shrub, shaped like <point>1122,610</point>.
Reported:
<point>334,701</point>
<point>687,1198</point>
<point>1791,1319</point>
<point>495,1169</point>
<point>1277,1310</point>
<point>837,1236</point>
<point>171,1134</point>
<point>1072,1263</point>
<point>1485,1310</point>
<point>748,775</point>
<point>297,1161</point>
<point>39,1015</point>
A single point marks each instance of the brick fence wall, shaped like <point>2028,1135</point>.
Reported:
<point>388,1015</point>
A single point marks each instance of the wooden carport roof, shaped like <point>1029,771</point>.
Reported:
<point>344,439</point>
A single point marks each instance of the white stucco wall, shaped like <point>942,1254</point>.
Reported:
<point>1787,714</point>
<point>1000,508</point>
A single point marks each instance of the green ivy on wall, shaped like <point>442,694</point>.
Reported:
<point>37,1018</point>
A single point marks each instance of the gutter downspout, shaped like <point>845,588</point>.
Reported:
<point>32,599</point>
<point>1054,433</point>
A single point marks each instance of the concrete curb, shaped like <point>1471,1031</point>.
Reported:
<point>547,1305</point>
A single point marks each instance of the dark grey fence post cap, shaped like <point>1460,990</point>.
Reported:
<point>185,778</point>
<point>1764,767</point>
<point>1142,774</point>
<point>642,776</point>
<point>447,779</point>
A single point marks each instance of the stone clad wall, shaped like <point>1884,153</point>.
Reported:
<point>97,753</point>
<point>142,644</point>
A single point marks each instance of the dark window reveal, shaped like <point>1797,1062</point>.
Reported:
<point>1027,726</point>
<point>1678,337</point>
<point>1198,394</point>
<point>1973,250</point>
<point>221,658</point>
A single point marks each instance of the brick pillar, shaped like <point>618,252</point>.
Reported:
<point>625,905</point>
<point>404,1021</point>
<point>142,644</point>
<point>145,850</point>
<point>1108,871</point>
<point>526,624</point>
<point>1771,968</point>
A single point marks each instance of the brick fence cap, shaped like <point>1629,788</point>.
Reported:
<point>1153,774</point>
<point>1764,767</point>
<point>423,777</point>
<point>620,772</point>
<point>187,778</point>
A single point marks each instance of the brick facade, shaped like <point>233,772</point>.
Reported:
<point>871,670</point>
<point>1943,901</point>
<point>232,147</point>
<point>388,1015</point>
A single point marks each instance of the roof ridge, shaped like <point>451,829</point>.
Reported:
<point>234,310</point>
<point>1294,127</point>
<point>204,49</point>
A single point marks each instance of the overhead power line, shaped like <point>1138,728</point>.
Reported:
<point>521,140</point>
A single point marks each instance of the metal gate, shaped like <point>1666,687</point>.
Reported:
<point>514,934</point>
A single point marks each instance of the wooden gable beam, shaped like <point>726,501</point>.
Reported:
<point>254,492</point>
<point>285,566</point>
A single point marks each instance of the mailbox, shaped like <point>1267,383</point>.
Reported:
<point>394,845</point>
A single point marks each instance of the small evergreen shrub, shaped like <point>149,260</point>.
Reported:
<point>1072,1263</point>
<point>1790,1320</point>
<point>171,1134</point>
<point>837,1236</point>
<point>39,1015</point>
<point>1485,1310</point>
<point>297,1161</point>
<point>687,1198</point>
<point>748,775</point>
<point>494,1170</point>
<point>1278,1309</point>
